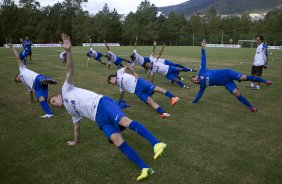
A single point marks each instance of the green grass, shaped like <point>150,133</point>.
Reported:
<point>217,140</point>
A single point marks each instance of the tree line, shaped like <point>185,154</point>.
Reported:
<point>44,25</point>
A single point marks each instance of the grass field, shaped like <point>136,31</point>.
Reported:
<point>218,140</point>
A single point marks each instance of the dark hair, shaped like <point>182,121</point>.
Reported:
<point>110,77</point>
<point>16,78</point>
<point>132,56</point>
<point>261,38</point>
<point>51,96</point>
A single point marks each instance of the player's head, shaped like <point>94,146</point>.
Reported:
<point>88,54</point>
<point>17,78</point>
<point>55,100</point>
<point>109,55</point>
<point>259,39</point>
<point>112,79</point>
<point>147,65</point>
<point>195,79</point>
<point>133,56</point>
<point>26,37</point>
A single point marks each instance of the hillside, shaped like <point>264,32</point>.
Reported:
<point>192,7</point>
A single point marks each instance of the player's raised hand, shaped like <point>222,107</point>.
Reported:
<point>10,45</point>
<point>203,43</point>
<point>66,44</point>
<point>155,43</point>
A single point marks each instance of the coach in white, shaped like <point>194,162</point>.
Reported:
<point>260,60</point>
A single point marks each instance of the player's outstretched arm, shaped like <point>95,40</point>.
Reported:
<point>120,97</point>
<point>203,56</point>
<point>76,134</point>
<point>129,67</point>
<point>199,95</point>
<point>161,52</point>
<point>107,46</point>
<point>16,54</point>
<point>136,40</point>
<point>154,48</point>
<point>66,44</point>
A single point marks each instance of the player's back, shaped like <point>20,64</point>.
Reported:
<point>217,77</point>
<point>127,82</point>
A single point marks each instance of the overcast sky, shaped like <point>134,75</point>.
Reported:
<point>122,6</point>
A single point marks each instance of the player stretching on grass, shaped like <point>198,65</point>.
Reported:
<point>223,77</point>
<point>96,55</point>
<point>112,58</point>
<point>154,57</point>
<point>27,43</point>
<point>137,58</point>
<point>141,87</point>
<point>170,72</point>
<point>34,81</point>
<point>111,120</point>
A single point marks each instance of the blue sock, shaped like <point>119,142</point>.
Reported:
<point>169,94</point>
<point>244,101</point>
<point>160,110</point>
<point>180,84</point>
<point>255,79</point>
<point>132,155</point>
<point>141,130</point>
<point>25,61</point>
<point>45,107</point>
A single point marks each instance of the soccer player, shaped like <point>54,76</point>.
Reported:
<point>137,58</point>
<point>112,58</point>
<point>34,81</point>
<point>63,56</point>
<point>140,87</point>
<point>111,120</point>
<point>154,57</point>
<point>96,55</point>
<point>260,60</point>
<point>27,43</point>
<point>223,77</point>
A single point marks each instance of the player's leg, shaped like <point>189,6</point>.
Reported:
<point>253,73</point>
<point>179,82</point>
<point>41,92</point>
<point>167,93</point>
<point>232,88</point>
<point>116,138</point>
<point>137,127</point>
<point>154,105</point>
<point>255,79</point>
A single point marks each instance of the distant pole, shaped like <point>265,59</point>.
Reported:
<point>6,40</point>
<point>193,39</point>
<point>253,40</point>
<point>221,37</point>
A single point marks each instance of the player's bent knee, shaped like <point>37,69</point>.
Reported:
<point>116,139</point>
<point>41,98</point>
<point>125,121</point>
<point>236,92</point>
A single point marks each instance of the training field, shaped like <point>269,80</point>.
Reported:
<point>218,140</point>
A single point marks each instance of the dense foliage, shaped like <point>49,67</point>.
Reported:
<point>44,25</point>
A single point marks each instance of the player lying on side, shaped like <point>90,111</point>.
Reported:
<point>34,81</point>
<point>112,58</point>
<point>96,55</point>
<point>141,88</point>
<point>222,77</point>
<point>110,118</point>
<point>27,43</point>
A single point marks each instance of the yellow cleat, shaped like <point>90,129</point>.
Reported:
<point>159,149</point>
<point>145,172</point>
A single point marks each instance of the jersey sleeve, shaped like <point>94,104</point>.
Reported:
<point>265,54</point>
<point>199,95</point>
<point>75,119</point>
<point>121,71</point>
<point>66,87</point>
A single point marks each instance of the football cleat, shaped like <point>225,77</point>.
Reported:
<point>164,115</point>
<point>46,116</point>
<point>47,81</point>
<point>252,85</point>
<point>159,149</point>
<point>145,172</point>
<point>268,83</point>
<point>253,109</point>
<point>174,100</point>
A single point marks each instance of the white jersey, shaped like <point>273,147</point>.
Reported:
<point>27,76</point>
<point>113,58</point>
<point>160,60</point>
<point>158,67</point>
<point>261,55</point>
<point>92,53</point>
<point>125,81</point>
<point>138,58</point>
<point>80,102</point>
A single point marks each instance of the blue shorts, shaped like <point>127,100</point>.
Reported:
<point>233,75</point>
<point>39,88</point>
<point>108,116</point>
<point>144,89</point>
<point>230,86</point>
<point>118,61</point>
<point>167,62</point>
<point>172,73</point>
<point>98,57</point>
<point>23,54</point>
